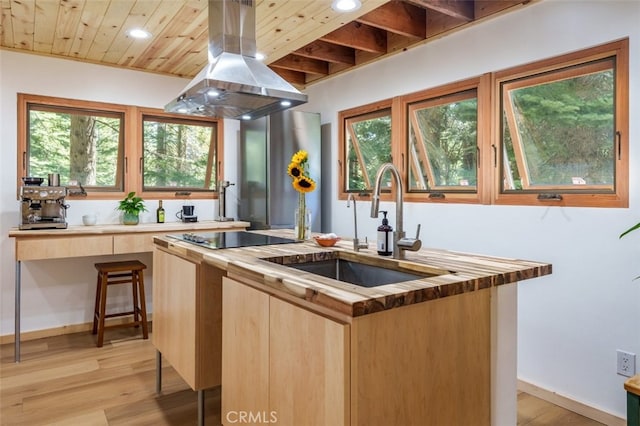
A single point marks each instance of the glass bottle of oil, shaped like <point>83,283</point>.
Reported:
<point>160,213</point>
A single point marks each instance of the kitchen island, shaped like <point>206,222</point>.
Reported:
<point>293,347</point>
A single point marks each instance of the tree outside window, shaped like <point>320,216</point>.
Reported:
<point>559,130</point>
<point>85,147</point>
<point>443,143</point>
<point>367,144</point>
<point>112,149</point>
<point>179,154</point>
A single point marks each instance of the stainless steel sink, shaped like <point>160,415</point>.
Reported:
<point>360,272</point>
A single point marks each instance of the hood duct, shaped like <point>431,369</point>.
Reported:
<point>234,84</point>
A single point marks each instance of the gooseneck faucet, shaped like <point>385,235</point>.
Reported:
<point>400,243</point>
<point>357,245</point>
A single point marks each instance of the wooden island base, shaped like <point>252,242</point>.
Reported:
<point>423,364</point>
<point>291,347</point>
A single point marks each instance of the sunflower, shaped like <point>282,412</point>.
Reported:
<point>304,184</point>
<point>295,170</point>
<point>299,157</point>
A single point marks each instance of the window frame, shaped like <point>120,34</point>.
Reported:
<point>434,96</point>
<point>133,146</point>
<point>568,196</point>
<point>490,156</point>
<point>344,117</point>
<point>219,152</point>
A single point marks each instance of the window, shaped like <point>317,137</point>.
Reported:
<point>562,131</point>
<point>444,141</point>
<point>108,150</point>
<point>366,132</point>
<point>82,143</point>
<point>179,153</point>
<point>549,133</point>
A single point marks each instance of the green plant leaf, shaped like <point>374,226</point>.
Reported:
<point>633,228</point>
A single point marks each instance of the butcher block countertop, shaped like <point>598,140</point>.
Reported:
<point>456,273</point>
<point>633,385</point>
<point>127,229</point>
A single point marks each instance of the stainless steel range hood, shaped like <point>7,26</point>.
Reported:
<point>234,84</point>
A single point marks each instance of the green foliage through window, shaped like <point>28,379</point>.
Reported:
<point>179,154</point>
<point>443,143</point>
<point>368,147</point>
<point>558,129</point>
<point>82,146</point>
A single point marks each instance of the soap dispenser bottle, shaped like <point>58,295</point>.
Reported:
<point>385,237</point>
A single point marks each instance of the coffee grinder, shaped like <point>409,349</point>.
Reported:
<point>187,214</point>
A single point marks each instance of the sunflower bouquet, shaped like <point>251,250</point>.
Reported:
<point>301,180</point>
<point>302,183</point>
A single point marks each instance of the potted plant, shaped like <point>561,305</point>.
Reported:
<point>131,207</point>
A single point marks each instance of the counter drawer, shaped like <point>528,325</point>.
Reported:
<point>133,243</point>
<point>60,247</point>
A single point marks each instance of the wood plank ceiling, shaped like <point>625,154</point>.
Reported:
<point>305,41</point>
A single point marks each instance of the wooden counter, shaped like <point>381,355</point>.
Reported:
<point>98,240</point>
<point>632,386</point>
<point>457,273</point>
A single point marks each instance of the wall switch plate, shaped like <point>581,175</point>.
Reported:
<point>626,363</point>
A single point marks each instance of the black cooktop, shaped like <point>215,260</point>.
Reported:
<point>232,239</point>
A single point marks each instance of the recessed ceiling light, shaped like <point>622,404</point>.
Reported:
<point>345,5</point>
<point>139,33</point>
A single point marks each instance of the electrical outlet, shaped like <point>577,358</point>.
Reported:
<point>626,363</point>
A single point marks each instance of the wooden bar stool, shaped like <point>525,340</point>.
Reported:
<point>125,272</point>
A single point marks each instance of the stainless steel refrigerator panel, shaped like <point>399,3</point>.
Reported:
<point>253,172</point>
<point>267,198</point>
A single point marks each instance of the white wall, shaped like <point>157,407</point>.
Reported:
<point>60,292</point>
<point>570,323</point>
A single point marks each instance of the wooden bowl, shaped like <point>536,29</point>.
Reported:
<point>326,242</point>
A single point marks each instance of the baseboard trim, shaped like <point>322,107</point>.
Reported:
<point>65,329</point>
<point>570,404</point>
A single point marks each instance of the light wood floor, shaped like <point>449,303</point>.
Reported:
<point>67,381</point>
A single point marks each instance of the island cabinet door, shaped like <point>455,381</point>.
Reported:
<point>308,367</point>
<point>174,282</point>
<point>187,318</point>
<point>426,364</point>
<point>245,354</point>
<point>281,364</point>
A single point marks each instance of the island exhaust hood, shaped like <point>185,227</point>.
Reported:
<point>234,84</point>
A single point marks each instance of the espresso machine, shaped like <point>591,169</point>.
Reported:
<point>43,207</point>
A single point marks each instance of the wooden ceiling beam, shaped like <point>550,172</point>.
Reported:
<point>359,36</point>
<point>460,9</point>
<point>484,8</point>
<point>300,63</point>
<point>398,17</point>
<point>328,52</point>
<point>296,78</point>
